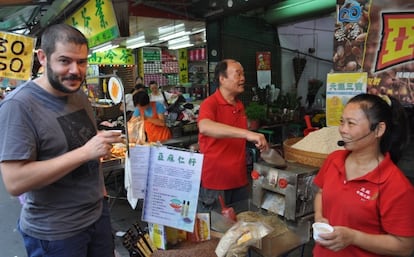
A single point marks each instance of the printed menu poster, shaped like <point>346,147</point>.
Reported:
<point>340,88</point>
<point>173,182</point>
<point>264,72</point>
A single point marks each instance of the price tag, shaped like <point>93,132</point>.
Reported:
<point>16,56</point>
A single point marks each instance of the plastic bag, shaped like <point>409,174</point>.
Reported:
<point>136,131</point>
<point>240,237</point>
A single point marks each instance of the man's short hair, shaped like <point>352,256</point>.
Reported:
<point>61,33</point>
<point>220,70</point>
<point>139,86</point>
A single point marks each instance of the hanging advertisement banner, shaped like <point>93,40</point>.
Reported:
<point>376,37</point>
<point>116,56</point>
<point>339,89</point>
<point>97,21</point>
<point>16,56</point>
<point>183,65</point>
<point>264,72</point>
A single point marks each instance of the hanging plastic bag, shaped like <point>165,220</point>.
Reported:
<point>136,131</point>
<point>237,240</point>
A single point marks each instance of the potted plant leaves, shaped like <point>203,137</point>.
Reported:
<point>255,112</point>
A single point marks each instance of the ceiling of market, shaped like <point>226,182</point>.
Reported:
<point>30,17</point>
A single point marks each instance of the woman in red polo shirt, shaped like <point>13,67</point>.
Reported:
<point>362,193</point>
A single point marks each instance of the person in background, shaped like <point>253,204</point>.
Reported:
<point>50,151</point>
<point>154,118</point>
<point>157,95</point>
<point>129,103</point>
<point>139,80</point>
<point>361,192</point>
<point>222,138</point>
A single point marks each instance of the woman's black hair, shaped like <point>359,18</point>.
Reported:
<point>141,98</point>
<point>392,113</point>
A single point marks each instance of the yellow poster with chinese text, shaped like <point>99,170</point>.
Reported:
<point>97,21</point>
<point>16,56</point>
<point>116,56</point>
<point>183,64</point>
<point>340,88</point>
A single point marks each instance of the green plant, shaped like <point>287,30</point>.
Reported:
<point>255,111</point>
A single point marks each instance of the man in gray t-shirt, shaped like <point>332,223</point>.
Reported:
<point>50,151</point>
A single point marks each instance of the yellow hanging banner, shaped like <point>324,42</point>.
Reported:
<point>116,56</point>
<point>16,56</point>
<point>183,64</point>
<point>97,21</point>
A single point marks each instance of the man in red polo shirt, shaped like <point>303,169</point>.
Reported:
<point>222,138</point>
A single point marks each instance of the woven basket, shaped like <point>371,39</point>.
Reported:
<point>304,157</point>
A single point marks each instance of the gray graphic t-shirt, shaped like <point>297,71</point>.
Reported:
<point>39,126</point>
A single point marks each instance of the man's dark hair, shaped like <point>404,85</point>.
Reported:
<point>61,33</point>
<point>152,82</point>
<point>139,86</point>
<point>141,98</point>
<point>220,70</point>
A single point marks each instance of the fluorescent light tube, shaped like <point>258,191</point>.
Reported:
<point>169,29</point>
<point>137,45</point>
<point>174,35</point>
<point>179,46</point>
<point>178,40</point>
<point>105,48</point>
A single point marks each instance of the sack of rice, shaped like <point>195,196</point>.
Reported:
<point>322,141</point>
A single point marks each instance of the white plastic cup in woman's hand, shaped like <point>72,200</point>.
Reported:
<point>321,228</point>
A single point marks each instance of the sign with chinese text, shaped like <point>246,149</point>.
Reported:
<point>170,180</point>
<point>264,72</point>
<point>97,21</point>
<point>116,56</point>
<point>183,65</point>
<point>376,37</point>
<point>339,89</point>
<point>16,56</point>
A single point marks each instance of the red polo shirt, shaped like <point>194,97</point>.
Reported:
<point>224,165</point>
<point>380,202</point>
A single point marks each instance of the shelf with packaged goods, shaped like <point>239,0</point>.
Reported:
<point>156,64</point>
<point>197,72</point>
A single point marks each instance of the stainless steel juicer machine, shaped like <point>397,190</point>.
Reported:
<point>288,192</point>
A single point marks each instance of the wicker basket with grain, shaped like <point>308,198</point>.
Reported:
<point>304,157</point>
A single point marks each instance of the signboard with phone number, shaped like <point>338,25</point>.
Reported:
<point>16,56</point>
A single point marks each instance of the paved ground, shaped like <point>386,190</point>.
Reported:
<point>123,216</point>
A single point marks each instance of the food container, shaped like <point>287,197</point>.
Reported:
<point>304,157</point>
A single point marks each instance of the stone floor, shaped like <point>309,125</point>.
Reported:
<point>123,217</point>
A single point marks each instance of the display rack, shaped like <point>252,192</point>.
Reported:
<point>197,72</point>
<point>101,96</point>
<point>106,91</point>
<point>158,65</point>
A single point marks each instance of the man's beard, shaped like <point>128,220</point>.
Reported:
<point>56,84</point>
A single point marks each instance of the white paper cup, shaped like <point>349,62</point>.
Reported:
<point>321,228</point>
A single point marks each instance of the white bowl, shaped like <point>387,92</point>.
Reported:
<point>321,228</point>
